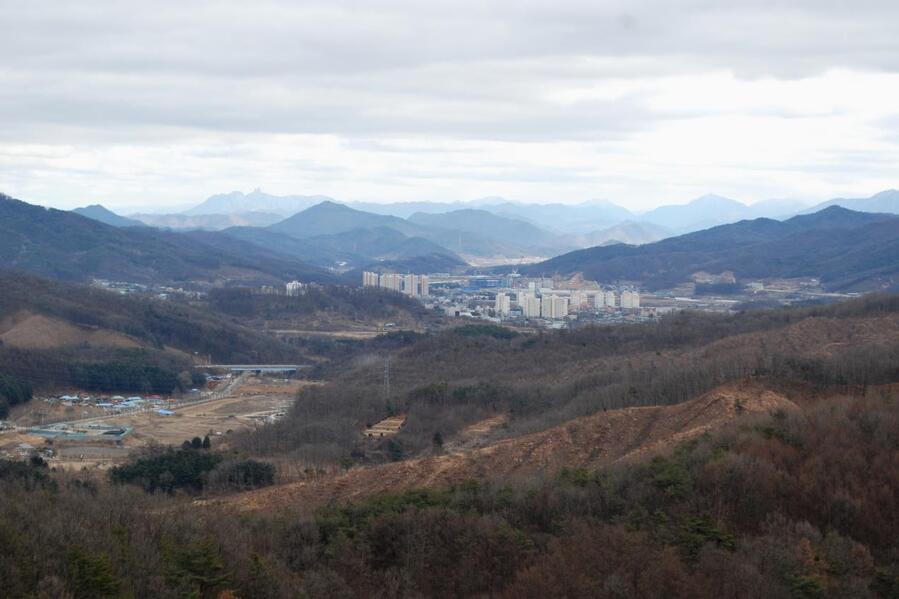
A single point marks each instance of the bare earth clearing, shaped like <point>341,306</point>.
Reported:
<point>24,329</point>
<point>602,438</point>
<point>252,404</point>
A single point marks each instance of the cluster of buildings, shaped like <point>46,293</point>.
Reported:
<point>414,285</point>
<point>545,302</point>
<point>115,403</point>
<point>551,304</point>
<point>291,289</point>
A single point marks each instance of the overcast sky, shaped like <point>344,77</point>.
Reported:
<point>163,103</point>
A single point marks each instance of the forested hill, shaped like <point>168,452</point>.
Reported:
<point>847,250</point>
<point>69,246</point>
<point>55,334</point>
<point>150,323</point>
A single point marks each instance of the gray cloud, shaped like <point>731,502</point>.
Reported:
<point>468,69</point>
<point>95,75</point>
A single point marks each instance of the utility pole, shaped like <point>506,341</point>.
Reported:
<point>387,379</point>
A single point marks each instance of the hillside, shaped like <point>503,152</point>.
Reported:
<point>703,212</point>
<point>104,215</point>
<point>237,202</point>
<point>885,202</point>
<point>562,218</point>
<point>361,249</point>
<point>211,222</point>
<point>629,232</point>
<point>82,314</point>
<point>69,246</point>
<point>523,236</point>
<point>450,381</point>
<point>588,442</point>
<point>698,456</point>
<point>60,335</point>
<point>845,249</point>
<point>331,219</point>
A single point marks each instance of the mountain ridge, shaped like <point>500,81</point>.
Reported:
<point>65,245</point>
<point>102,214</point>
<point>846,249</point>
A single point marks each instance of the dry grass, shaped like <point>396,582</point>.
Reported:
<point>35,331</point>
<point>603,438</point>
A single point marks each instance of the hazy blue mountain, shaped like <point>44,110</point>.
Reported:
<point>328,218</point>
<point>844,248</point>
<point>255,201</point>
<point>565,218</point>
<point>777,208</point>
<point>209,222</point>
<point>884,202</point>
<point>355,249</point>
<point>630,232</point>
<point>407,209</point>
<point>707,211</point>
<point>65,245</point>
<point>104,215</point>
<point>499,228</point>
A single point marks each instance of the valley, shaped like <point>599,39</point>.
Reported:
<point>238,394</point>
<point>429,300</point>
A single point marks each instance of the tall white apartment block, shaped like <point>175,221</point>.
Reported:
<point>409,285</point>
<point>559,307</point>
<point>370,279</point>
<point>553,307</point>
<point>546,306</point>
<point>609,300</point>
<point>502,305</point>
<point>392,281</point>
<point>530,305</point>
<point>294,288</point>
<point>630,300</point>
<point>417,285</point>
<point>579,300</point>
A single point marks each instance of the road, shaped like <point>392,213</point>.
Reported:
<point>216,395</point>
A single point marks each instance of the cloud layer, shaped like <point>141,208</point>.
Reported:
<point>137,104</point>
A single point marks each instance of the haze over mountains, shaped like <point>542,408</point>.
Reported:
<point>99,213</point>
<point>258,208</point>
<point>69,246</point>
<point>847,249</point>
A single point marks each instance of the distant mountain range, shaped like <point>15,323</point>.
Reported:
<point>713,210</point>
<point>99,213</point>
<point>66,245</point>
<point>520,236</point>
<point>209,222</point>
<point>885,201</point>
<point>458,233</point>
<point>628,231</point>
<point>367,248</point>
<point>413,236</point>
<point>847,250</point>
<point>256,201</point>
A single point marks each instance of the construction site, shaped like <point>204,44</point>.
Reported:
<point>248,401</point>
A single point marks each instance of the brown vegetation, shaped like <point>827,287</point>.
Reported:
<point>27,330</point>
<point>588,442</point>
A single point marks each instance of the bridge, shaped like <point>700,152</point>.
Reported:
<point>259,368</point>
